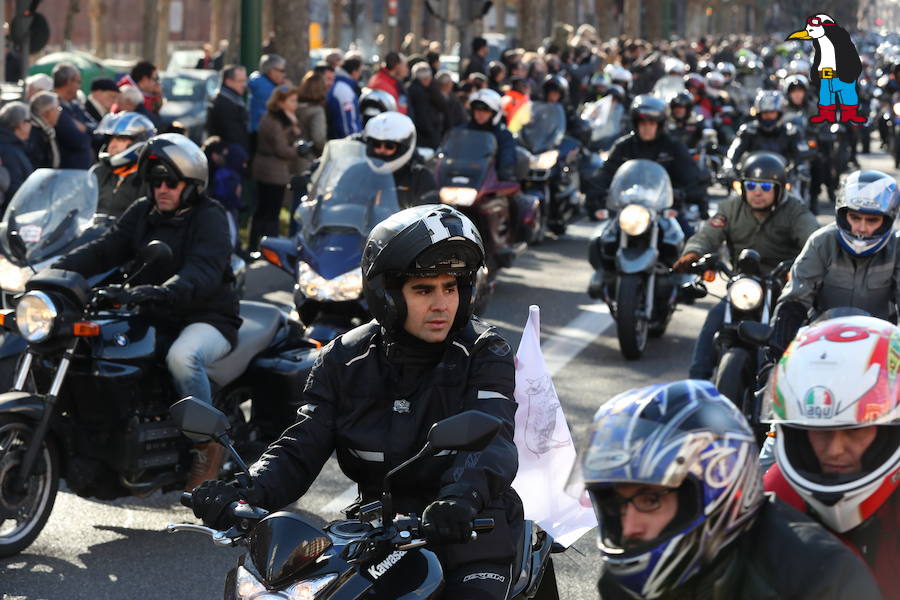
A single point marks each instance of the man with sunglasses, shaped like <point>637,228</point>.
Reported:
<point>764,217</point>
<point>390,140</point>
<point>192,297</point>
<point>672,474</point>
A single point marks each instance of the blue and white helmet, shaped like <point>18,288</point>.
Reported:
<point>126,124</point>
<point>683,435</point>
<point>871,192</point>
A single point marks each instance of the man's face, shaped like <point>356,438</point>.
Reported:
<point>758,197</point>
<point>481,116</point>
<point>329,79</point>
<point>431,305</point>
<point>238,83</point>
<point>647,129</point>
<point>637,526</point>
<point>769,115</point>
<point>118,143</point>
<point>863,224</point>
<point>840,451</point>
<point>149,85</point>
<point>679,112</point>
<point>797,96</point>
<point>167,195</point>
<point>276,74</point>
<point>51,115</point>
<point>23,130</point>
<point>553,96</point>
<point>106,98</point>
<point>70,90</point>
<point>401,70</point>
<point>384,148</point>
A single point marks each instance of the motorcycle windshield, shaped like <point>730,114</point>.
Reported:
<point>640,182</point>
<point>465,157</point>
<point>348,192</point>
<point>545,128</point>
<point>49,210</point>
<point>605,117</point>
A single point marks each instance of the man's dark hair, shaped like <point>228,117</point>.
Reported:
<point>432,57</point>
<point>229,71</point>
<point>392,59</point>
<point>143,69</point>
<point>321,69</point>
<point>352,64</point>
<point>478,43</point>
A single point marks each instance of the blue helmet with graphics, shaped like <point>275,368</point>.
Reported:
<point>870,192</point>
<point>686,437</point>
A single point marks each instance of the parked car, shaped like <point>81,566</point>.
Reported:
<point>90,66</point>
<point>184,59</point>
<point>186,93</point>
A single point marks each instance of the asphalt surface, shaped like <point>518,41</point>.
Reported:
<point>111,550</point>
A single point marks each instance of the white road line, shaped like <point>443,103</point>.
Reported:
<point>340,502</point>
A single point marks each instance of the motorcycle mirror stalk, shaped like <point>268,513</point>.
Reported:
<point>155,252</point>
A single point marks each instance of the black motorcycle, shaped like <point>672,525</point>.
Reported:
<point>633,254</point>
<point>751,296</point>
<point>102,422</point>
<point>376,555</point>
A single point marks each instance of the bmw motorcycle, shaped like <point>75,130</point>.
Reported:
<point>633,252</point>
<point>376,554</point>
<point>90,401</point>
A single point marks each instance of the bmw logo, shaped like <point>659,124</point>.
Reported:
<point>121,340</point>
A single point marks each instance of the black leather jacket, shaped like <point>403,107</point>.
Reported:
<point>785,139</point>
<point>372,402</point>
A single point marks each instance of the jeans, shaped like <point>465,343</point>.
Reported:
<point>831,89</point>
<point>703,360</point>
<point>198,346</point>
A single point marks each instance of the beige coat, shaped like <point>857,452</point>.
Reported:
<point>274,150</point>
<point>313,127</point>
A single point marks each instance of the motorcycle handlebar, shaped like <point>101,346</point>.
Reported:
<point>186,499</point>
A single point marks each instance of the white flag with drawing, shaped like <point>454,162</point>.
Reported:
<point>546,450</point>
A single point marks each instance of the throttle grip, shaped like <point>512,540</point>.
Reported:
<point>186,500</point>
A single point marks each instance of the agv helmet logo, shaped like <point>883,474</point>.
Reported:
<point>819,403</point>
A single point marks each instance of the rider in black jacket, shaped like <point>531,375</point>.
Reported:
<point>767,133</point>
<point>650,141</point>
<point>390,140</point>
<point>375,392</point>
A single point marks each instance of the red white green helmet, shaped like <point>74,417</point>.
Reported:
<point>838,374</point>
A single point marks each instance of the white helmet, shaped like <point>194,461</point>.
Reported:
<point>490,100</point>
<point>715,80</point>
<point>390,127</point>
<point>838,374</point>
<point>618,74</point>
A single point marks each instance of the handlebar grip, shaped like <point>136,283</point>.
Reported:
<point>484,525</point>
<point>185,499</point>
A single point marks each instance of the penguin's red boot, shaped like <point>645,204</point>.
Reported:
<point>826,114</point>
<point>848,114</point>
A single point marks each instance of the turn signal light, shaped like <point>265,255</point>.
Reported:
<point>709,276</point>
<point>271,256</point>
<point>601,214</point>
<point>671,213</point>
<point>85,329</point>
<point>812,143</point>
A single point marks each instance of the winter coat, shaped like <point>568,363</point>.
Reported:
<point>274,149</point>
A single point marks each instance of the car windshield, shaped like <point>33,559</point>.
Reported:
<point>347,192</point>
<point>52,208</point>
<point>640,182</point>
<point>545,127</point>
<point>465,157</point>
<point>182,88</point>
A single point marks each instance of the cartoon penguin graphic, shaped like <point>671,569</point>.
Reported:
<point>836,67</point>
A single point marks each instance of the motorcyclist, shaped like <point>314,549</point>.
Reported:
<point>390,139</point>
<point>649,140</point>
<point>853,262</point>
<point>119,183</point>
<point>672,474</point>
<point>686,125</point>
<point>800,107</point>
<point>771,221</point>
<point>486,115</point>
<point>555,90</point>
<point>837,436</point>
<point>695,84</point>
<point>736,91</point>
<point>374,102</point>
<point>194,293</point>
<point>375,392</point>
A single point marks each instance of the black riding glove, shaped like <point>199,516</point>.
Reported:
<point>147,294</point>
<point>448,521</point>
<point>210,501</point>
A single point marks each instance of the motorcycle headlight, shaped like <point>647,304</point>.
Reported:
<point>458,196</point>
<point>35,314</point>
<point>309,588</point>
<point>13,278</point>
<point>249,587</point>
<point>634,219</point>
<point>897,109</point>
<point>745,294</point>
<point>544,160</point>
<point>343,287</point>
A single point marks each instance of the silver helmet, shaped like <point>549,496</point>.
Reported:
<point>181,157</point>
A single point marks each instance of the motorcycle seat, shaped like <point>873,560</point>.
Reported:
<point>259,326</point>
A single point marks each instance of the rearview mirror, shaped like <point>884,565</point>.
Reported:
<point>471,430</point>
<point>156,252</point>
<point>198,420</point>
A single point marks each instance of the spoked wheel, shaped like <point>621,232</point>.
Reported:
<point>632,328</point>
<point>24,512</point>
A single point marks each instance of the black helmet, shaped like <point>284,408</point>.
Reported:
<point>765,166</point>
<point>177,156</point>
<point>422,241</point>
<point>648,107</point>
<point>558,84</point>
<point>683,100</point>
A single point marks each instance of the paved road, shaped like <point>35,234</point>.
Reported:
<point>114,550</point>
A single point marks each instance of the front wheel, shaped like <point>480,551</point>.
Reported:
<point>630,319</point>
<point>23,513</point>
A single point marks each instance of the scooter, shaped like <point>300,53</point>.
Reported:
<point>102,422</point>
<point>376,555</point>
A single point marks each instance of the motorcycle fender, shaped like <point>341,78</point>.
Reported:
<point>636,260</point>
<point>23,404</point>
<point>12,344</point>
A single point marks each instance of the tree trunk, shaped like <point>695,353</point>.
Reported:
<point>564,12</point>
<point>292,35</point>
<point>161,56</point>
<point>216,17</point>
<point>148,50</point>
<point>452,35</point>
<point>631,19</point>
<point>415,17</point>
<point>72,9</point>
<point>96,10</point>
<point>335,23</point>
<point>606,18</point>
<point>500,16</point>
<point>651,23</point>
<point>268,20</point>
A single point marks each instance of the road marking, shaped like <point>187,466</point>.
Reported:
<point>340,502</point>
<point>568,341</point>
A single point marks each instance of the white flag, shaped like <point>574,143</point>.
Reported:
<point>546,450</point>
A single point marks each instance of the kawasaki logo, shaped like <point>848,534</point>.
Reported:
<point>381,568</point>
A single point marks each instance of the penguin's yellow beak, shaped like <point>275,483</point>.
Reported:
<point>799,35</point>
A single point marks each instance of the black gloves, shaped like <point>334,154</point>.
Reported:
<point>448,521</point>
<point>210,501</point>
<point>145,294</point>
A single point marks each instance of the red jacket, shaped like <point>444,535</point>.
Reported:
<point>875,540</point>
<point>383,80</point>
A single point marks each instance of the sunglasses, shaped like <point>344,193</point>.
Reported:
<point>817,22</point>
<point>157,181</point>
<point>646,502</point>
<point>765,186</point>
<point>389,146</point>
